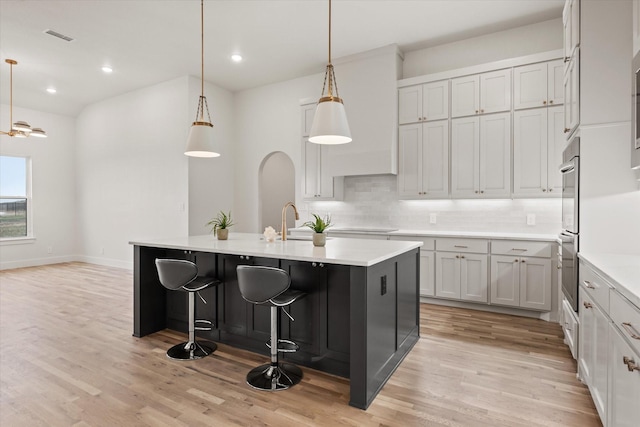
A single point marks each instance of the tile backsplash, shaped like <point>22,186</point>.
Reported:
<point>372,201</point>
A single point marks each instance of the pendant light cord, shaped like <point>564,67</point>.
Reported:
<point>202,54</point>
<point>10,97</point>
<point>329,32</point>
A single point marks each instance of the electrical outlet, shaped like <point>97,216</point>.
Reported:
<point>531,219</point>
<point>383,285</point>
<point>432,218</point>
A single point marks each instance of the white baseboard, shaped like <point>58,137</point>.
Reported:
<point>34,262</point>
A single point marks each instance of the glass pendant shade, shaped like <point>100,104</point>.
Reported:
<point>330,124</point>
<point>200,141</point>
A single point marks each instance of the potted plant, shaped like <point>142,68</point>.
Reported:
<point>220,225</point>
<point>319,225</point>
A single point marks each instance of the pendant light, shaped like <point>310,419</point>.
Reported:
<point>19,129</point>
<point>200,140</point>
<point>330,124</point>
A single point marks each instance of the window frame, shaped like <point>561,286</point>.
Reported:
<point>30,237</point>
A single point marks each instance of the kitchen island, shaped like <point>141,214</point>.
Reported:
<point>359,319</point>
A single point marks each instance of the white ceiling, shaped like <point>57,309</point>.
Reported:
<point>150,41</point>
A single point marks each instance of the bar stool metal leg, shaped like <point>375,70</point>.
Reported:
<point>276,375</point>
<point>192,349</point>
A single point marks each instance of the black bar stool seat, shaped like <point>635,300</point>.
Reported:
<point>270,286</point>
<point>179,274</point>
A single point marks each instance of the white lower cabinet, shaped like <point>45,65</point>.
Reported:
<point>462,275</point>
<point>594,349</point>
<point>624,382</point>
<point>570,327</point>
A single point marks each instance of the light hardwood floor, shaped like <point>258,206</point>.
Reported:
<point>67,358</point>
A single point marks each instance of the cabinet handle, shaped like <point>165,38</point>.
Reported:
<point>424,118</point>
<point>631,364</point>
<point>482,191</point>
<point>515,260</point>
<point>460,246</point>
<point>559,267</point>
<point>631,330</point>
<point>550,190</point>
<point>476,191</point>
<point>551,102</point>
<point>457,256</point>
<point>462,256</point>
<point>544,190</point>
<point>519,250</point>
<point>587,304</point>
<point>476,111</point>
<point>313,264</point>
<point>567,58</point>
<point>522,261</point>
<point>482,111</point>
<point>588,284</point>
<point>544,102</point>
<point>566,130</point>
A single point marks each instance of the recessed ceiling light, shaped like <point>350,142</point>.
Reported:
<point>236,57</point>
<point>107,69</point>
<point>51,90</point>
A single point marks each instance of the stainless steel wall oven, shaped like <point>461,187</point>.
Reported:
<point>569,236</point>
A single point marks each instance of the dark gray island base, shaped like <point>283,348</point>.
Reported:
<point>356,321</point>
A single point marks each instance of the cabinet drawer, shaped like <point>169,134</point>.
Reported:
<point>626,316</point>
<point>429,243</point>
<point>595,286</point>
<point>521,248</point>
<point>463,245</point>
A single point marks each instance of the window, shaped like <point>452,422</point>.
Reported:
<point>15,197</point>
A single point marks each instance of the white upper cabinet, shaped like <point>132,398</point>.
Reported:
<point>423,170</point>
<point>423,103</point>
<point>495,91</point>
<point>481,156</point>
<point>306,118</point>
<point>538,142</point>
<point>572,95</point>
<point>538,85</point>
<point>465,96</point>
<point>481,93</point>
<point>636,26</point>
<point>571,23</point>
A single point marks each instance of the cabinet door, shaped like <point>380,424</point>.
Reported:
<point>535,283</point>
<point>447,275</point>
<point>555,80</point>
<point>505,277</point>
<point>624,385</point>
<point>495,91</point>
<point>465,96</point>
<point>435,159</point>
<point>410,161</point>
<point>427,274</point>
<point>306,119</point>
<point>530,152</point>
<point>593,354</point>
<point>473,278</point>
<point>495,155</point>
<point>571,23</point>
<point>326,179</point>
<point>435,101</point>
<point>555,146</point>
<point>570,327</point>
<point>311,157</point>
<point>410,104</point>
<point>571,95</point>
<point>530,86</point>
<point>465,157</point>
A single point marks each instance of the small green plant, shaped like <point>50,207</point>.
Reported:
<point>320,224</point>
<point>220,222</point>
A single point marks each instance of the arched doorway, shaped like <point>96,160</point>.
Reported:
<point>277,187</point>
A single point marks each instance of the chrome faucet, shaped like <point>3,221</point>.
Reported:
<point>284,218</point>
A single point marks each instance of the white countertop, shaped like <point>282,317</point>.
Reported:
<point>622,270</point>
<point>344,251</point>
<point>433,233</point>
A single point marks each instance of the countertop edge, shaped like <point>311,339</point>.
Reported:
<point>615,268</point>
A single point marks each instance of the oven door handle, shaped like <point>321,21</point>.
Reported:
<point>567,167</point>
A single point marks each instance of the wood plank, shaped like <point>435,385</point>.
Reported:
<point>68,359</point>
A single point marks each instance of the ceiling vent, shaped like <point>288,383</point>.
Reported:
<point>58,35</point>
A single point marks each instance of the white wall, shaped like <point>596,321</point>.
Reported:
<point>211,179</point>
<point>541,37</point>
<point>53,183</point>
<point>132,175</point>
<point>268,120</point>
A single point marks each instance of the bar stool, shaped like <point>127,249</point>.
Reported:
<point>270,286</point>
<point>178,274</point>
